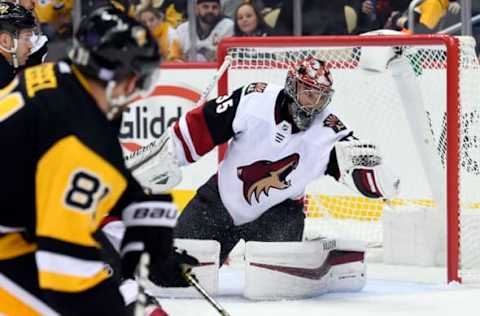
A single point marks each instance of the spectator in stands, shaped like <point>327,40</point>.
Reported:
<point>175,11</point>
<point>249,21</point>
<point>164,33</point>
<point>427,15</point>
<point>374,14</point>
<point>264,6</point>
<point>55,18</point>
<point>367,16</point>
<point>230,6</point>
<point>57,14</point>
<point>318,18</point>
<point>211,27</point>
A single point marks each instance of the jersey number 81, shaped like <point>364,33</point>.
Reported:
<point>82,193</point>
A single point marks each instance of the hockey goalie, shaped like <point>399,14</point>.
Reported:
<point>280,139</point>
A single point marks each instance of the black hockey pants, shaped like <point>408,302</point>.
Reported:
<point>205,217</point>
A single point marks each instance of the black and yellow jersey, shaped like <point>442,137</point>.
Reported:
<point>62,171</point>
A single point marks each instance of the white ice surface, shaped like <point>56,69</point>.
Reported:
<point>387,293</point>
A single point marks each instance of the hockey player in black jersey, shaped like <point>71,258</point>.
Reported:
<point>63,171</point>
<point>16,31</point>
<point>39,51</point>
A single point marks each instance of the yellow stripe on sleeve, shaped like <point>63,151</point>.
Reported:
<point>13,245</point>
<point>68,283</point>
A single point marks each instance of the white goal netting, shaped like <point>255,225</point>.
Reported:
<point>406,117</point>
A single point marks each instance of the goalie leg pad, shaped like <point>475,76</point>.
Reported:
<point>208,253</point>
<point>348,266</point>
<point>294,270</point>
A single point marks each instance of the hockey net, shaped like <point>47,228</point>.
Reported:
<point>408,121</point>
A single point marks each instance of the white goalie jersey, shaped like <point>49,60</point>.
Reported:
<point>268,159</point>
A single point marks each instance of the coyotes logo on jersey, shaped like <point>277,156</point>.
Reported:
<point>263,175</point>
<point>334,123</point>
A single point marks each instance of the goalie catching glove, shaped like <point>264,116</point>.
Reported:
<point>155,166</point>
<point>361,168</point>
<point>149,228</point>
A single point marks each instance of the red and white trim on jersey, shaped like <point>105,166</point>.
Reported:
<point>268,159</point>
<point>192,131</point>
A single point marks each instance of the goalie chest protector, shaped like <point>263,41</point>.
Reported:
<point>266,163</point>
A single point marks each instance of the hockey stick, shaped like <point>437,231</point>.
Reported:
<point>225,65</point>
<point>192,280</point>
<point>142,279</point>
<point>138,158</point>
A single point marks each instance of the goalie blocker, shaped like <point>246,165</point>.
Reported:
<point>155,166</point>
<point>279,270</point>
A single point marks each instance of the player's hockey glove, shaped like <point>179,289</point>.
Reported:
<point>169,273</point>
<point>149,228</point>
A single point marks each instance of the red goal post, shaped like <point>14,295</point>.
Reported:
<point>442,64</point>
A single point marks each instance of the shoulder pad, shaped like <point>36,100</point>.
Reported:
<point>258,87</point>
<point>40,77</point>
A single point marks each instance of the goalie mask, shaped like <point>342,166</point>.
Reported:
<point>110,47</point>
<point>309,84</point>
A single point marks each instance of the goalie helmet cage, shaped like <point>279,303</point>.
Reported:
<point>424,118</point>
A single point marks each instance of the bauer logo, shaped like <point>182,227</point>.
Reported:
<point>141,213</point>
<point>148,118</point>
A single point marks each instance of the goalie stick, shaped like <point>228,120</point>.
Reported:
<point>193,281</point>
<point>142,156</point>
<point>225,65</point>
<point>142,280</point>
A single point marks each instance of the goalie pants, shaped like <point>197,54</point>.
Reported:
<point>205,217</point>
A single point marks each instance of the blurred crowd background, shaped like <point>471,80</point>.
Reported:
<point>190,30</point>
